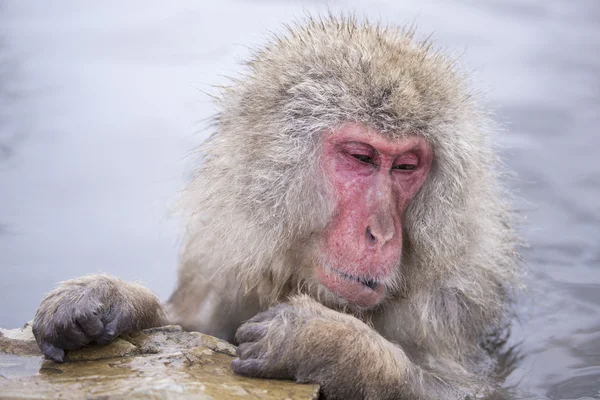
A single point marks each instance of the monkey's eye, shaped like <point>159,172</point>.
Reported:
<point>363,158</point>
<point>405,167</point>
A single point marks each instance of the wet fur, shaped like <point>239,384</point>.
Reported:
<point>258,203</point>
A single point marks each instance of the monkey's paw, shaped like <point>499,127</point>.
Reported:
<point>79,312</point>
<point>300,340</point>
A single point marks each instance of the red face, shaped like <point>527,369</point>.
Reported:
<point>374,179</point>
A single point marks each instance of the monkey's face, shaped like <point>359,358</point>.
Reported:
<point>374,179</point>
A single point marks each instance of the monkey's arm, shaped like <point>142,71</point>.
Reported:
<point>307,342</point>
<point>94,308</point>
<point>214,306</point>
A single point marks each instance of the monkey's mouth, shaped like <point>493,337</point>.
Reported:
<point>368,282</point>
<point>361,291</point>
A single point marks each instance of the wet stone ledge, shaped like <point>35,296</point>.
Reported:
<point>155,363</point>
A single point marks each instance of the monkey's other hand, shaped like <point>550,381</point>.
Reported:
<point>307,342</point>
<point>95,308</point>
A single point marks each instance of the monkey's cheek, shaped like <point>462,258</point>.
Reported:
<point>351,291</point>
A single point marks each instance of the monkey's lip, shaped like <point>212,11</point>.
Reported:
<point>363,292</point>
<point>368,282</point>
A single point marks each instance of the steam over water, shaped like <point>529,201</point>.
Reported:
<point>101,104</point>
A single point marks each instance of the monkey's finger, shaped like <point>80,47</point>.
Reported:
<point>109,333</point>
<point>253,368</point>
<point>247,350</point>
<point>270,313</point>
<point>260,317</point>
<point>91,325</point>
<point>250,332</point>
<point>71,337</point>
<point>52,352</point>
<point>259,369</point>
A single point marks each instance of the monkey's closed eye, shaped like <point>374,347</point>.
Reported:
<point>363,158</point>
<point>405,167</point>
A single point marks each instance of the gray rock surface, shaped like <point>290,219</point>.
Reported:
<point>158,363</point>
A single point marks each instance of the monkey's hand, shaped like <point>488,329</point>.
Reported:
<point>95,308</point>
<point>307,342</point>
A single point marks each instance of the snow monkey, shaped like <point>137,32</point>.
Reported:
<point>347,225</point>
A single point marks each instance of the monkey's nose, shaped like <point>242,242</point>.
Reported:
<point>371,239</point>
<point>379,235</point>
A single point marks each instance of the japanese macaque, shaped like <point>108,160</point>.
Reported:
<point>347,225</point>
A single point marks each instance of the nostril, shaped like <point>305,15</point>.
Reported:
<point>370,237</point>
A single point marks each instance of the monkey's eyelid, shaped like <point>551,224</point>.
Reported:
<point>405,167</point>
<point>363,158</point>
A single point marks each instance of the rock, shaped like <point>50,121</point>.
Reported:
<point>18,341</point>
<point>156,363</point>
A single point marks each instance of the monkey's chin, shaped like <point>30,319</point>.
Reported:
<point>365,293</point>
